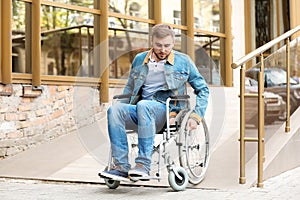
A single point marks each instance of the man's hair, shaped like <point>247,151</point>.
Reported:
<point>162,31</point>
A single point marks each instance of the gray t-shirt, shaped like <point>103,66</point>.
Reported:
<point>155,79</point>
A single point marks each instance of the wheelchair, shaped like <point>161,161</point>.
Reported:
<point>190,163</point>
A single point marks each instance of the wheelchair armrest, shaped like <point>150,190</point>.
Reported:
<point>122,96</point>
<point>183,96</point>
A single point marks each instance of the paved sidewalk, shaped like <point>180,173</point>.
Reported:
<point>284,187</point>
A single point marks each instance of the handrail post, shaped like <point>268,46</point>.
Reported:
<point>261,143</point>
<point>260,122</point>
<point>288,110</point>
<point>242,178</point>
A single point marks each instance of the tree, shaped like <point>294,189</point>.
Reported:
<point>63,42</point>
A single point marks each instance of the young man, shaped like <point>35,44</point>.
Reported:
<point>155,75</point>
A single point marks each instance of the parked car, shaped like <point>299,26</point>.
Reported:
<point>274,104</point>
<point>275,81</point>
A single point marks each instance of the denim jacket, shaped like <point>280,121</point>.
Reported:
<point>179,69</point>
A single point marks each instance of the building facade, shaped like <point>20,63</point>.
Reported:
<point>59,58</point>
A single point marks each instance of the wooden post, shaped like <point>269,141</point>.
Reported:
<point>248,20</point>
<point>28,36</point>
<point>6,42</point>
<point>228,44</point>
<point>295,16</point>
<point>104,61</point>
<point>190,28</point>
<point>1,17</point>
<point>157,11</point>
<point>36,43</point>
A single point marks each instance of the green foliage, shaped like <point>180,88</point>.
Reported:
<point>52,17</point>
<point>18,14</point>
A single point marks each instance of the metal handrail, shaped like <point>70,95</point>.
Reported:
<point>260,139</point>
<point>263,48</point>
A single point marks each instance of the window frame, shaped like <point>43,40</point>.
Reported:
<point>155,17</point>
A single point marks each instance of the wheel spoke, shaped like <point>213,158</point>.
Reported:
<point>194,153</point>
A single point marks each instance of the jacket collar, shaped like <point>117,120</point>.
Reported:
<point>170,58</point>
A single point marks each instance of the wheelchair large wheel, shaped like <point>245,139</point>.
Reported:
<point>194,150</point>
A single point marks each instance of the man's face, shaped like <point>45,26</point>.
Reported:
<point>162,47</point>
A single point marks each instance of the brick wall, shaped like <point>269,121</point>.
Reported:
<point>27,121</point>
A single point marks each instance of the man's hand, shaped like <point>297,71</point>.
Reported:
<point>172,120</point>
<point>192,124</point>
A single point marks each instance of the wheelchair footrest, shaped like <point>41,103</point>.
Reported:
<point>130,179</point>
<point>115,178</point>
<point>147,178</point>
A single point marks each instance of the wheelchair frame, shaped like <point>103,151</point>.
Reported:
<point>192,171</point>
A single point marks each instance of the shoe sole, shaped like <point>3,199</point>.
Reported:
<point>137,174</point>
<point>140,178</point>
<point>129,179</point>
<point>113,177</point>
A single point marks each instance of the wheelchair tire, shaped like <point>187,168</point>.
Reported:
<point>112,184</point>
<point>175,182</point>
<point>194,150</point>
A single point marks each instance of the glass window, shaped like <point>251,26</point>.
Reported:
<point>68,37</point>
<point>83,3</point>
<point>130,7</point>
<point>207,15</point>
<point>124,44</point>
<point>67,40</point>
<point>171,14</point>
<point>207,58</point>
<point>262,21</point>
<point>179,38</point>
<point>18,37</point>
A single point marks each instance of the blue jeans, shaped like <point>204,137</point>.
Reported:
<point>147,117</point>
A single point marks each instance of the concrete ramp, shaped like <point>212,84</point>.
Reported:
<point>223,170</point>
<point>80,155</point>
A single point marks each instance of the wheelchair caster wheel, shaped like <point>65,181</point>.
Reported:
<point>112,184</point>
<point>178,183</point>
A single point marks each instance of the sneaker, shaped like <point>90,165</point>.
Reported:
<point>139,171</point>
<point>115,174</point>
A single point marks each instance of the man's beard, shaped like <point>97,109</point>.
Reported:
<point>159,57</point>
